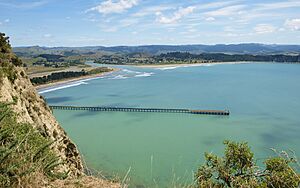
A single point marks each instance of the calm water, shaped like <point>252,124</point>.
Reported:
<point>159,150</point>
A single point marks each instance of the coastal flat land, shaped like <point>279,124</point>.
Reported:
<point>40,71</point>
<point>68,80</point>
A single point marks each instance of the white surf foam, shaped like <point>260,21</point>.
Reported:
<point>168,68</point>
<point>73,84</point>
<point>68,85</point>
<point>94,78</point>
<point>118,77</point>
<point>144,74</point>
<point>199,65</point>
<point>130,71</point>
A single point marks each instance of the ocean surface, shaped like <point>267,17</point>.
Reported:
<point>164,150</point>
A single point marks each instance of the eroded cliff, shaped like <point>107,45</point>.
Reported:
<point>31,109</point>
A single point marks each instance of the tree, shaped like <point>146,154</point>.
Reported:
<point>237,169</point>
<point>4,44</point>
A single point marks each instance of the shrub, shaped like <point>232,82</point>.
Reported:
<point>237,169</point>
<point>16,61</point>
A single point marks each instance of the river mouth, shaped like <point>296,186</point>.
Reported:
<point>162,150</point>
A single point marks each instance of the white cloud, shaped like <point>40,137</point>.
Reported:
<point>109,29</point>
<point>48,35</point>
<point>226,11</point>
<point>229,29</point>
<point>152,10</point>
<point>192,30</point>
<point>279,5</point>
<point>216,4</point>
<point>128,22</point>
<point>179,14</point>
<point>210,19</point>
<point>4,21</point>
<point>293,24</point>
<point>111,6</point>
<point>264,28</point>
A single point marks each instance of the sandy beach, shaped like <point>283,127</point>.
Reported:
<point>66,81</point>
<point>189,64</point>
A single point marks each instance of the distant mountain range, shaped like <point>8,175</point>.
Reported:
<point>248,48</point>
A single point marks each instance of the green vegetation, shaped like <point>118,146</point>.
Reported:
<point>250,48</point>
<point>25,155</point>
<point>188,58</point>
<point>65,75</point>
<point>151,55</point>
<point>56,76</point>
<point>157,54</point>
<point>220,57</point>
<point>49,60</point>
<point>238,169</point>
<point>7,59</point>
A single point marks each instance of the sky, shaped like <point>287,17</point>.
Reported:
<point>145,22</point>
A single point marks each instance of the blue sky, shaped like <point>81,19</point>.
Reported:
<point>142,22</point>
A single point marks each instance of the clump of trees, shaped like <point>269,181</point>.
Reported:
<point>237,168</point>
<point>52,57</point>
<point>5,48</point>
<point>7,59</point>
<point>65,75</point>
<point>6,51</point>
<point>57,76</point>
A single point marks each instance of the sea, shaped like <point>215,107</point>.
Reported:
<point>166,149</point>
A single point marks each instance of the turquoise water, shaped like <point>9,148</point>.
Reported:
<point>160,150</point>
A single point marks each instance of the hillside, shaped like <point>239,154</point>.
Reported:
<point>29,110</point>
<point>247,48</point>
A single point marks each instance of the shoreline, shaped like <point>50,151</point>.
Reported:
<point>190,64</point>
<point>158,66</point>
<point>70,80</point>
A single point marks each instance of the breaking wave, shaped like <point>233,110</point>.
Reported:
<point>144,74</point>
<point>73,84</point>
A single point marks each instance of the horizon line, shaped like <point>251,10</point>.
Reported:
<point>147,45</point>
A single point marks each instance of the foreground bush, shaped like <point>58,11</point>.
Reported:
<point>237,169</point>
<point>25,155</point>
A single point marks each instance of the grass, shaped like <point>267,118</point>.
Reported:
<point>42,69</point>
<point>25,155</point>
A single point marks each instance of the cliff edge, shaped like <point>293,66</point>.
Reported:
<point>30,108</point>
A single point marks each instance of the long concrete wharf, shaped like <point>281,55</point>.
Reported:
<point>157,110</point>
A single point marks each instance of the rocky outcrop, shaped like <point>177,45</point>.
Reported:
<point>32,108</point>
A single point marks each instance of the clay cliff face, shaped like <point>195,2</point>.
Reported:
<point>31,108</point>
